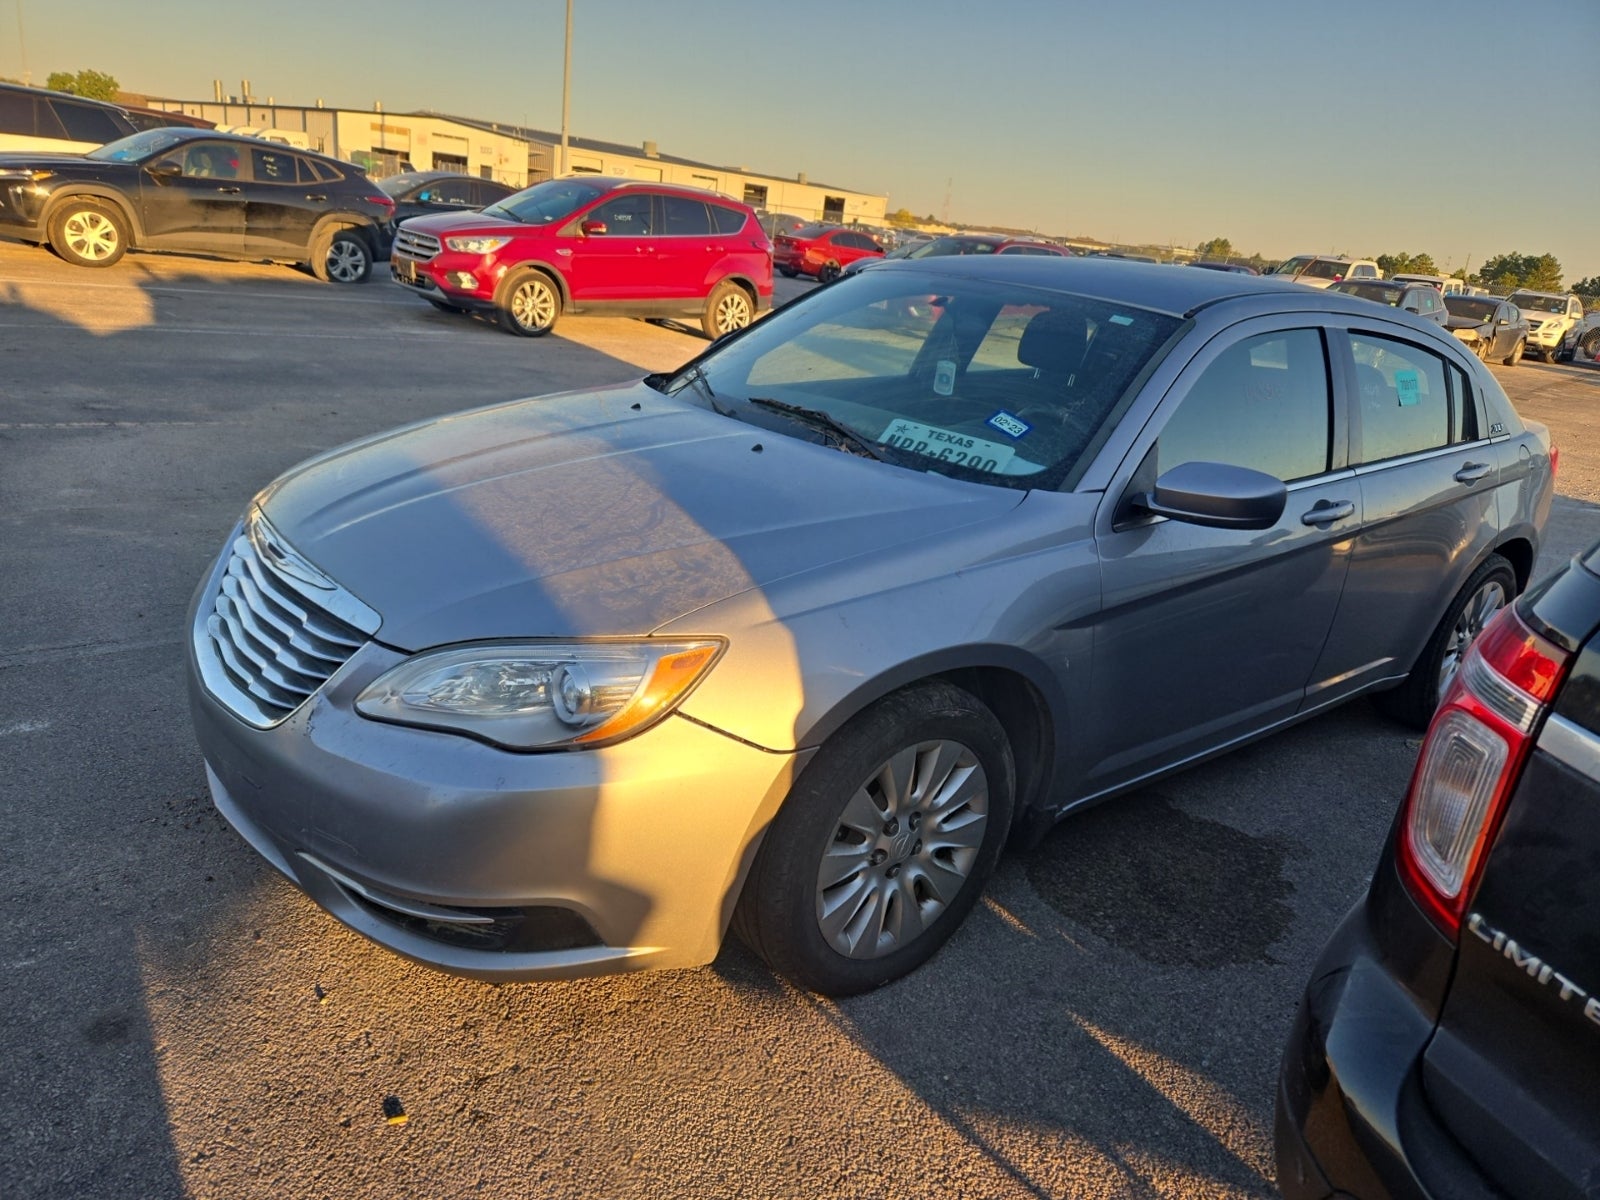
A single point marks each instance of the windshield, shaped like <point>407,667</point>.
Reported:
<point>1466,306</point>
<point>1370,291</point>
<point>1292,266</point>
<point>940,247</point>
<point>970,378</point>
<point>544,203</point>
<point>137,146</point>
<point>1535,302</point>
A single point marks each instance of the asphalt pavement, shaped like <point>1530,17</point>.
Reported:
<point>182,1023</point>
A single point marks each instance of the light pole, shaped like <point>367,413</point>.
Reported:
<point>22,46</point>
<point>566,91</point>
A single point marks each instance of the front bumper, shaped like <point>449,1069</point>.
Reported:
<point>465,280</point>
<point>488,863</point>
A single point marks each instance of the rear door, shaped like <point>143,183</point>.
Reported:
<point>1513,1065</point>
<point>1208,635</point>
<point>1427,475</point>
<point>284,201</point>
<point>688,248</point>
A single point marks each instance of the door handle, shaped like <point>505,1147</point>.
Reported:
<point>1472,472</point>
<point>229,191</point>
<point>1326,512</point>
<point>318,199</point>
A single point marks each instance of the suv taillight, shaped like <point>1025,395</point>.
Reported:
<point>382,200</point>
<point>1470,762</point>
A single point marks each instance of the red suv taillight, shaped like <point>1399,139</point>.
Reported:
<point>1470,762</point>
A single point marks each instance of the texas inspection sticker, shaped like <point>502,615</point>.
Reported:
<point>946,445</point>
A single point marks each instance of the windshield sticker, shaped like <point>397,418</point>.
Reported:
<point>1009,425</point>
<point>944,377</point>
<point>962,449</point>
<point>1405,383</point>
<point>1119,319</point>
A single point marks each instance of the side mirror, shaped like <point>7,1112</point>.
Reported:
<point>1412,308</point>
<point>164,170</point>
<point>1216,495</point>
<point>593,228</point>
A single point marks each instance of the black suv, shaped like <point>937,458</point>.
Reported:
<point>1449,1041</point>
<point>421,193</point>
<point>197,191</point>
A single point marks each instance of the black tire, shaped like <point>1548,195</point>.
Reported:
<point>787,272</point>
<point>1549,355</point>
<point>933,733</point>
<point>88,233</point>
<point>1413,702</point>
<point>529,304</point>
<point>444,307</point>
<point>828,272</point>
<point>1516,355</point>
<point>1589,343</point>
<point>341,256</point>
<point>728,307</point>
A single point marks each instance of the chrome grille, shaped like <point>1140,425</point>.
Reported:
<point>423,247</point>
<point>271,645</point>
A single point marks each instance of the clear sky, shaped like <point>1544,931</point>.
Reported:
<point>1463,128</point>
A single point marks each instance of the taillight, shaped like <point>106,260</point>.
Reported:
<point>1555,460</point>
<point>1470,762</point>
<point>381,200</point>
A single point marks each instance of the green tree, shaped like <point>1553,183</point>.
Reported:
<point>901,216</point>
<point>1406,264</point>
<point>1507,272</point>
<point>1215,248</point>
<point>1589,288</point>
<point>95,85</point>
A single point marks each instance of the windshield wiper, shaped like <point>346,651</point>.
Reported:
<point>843,436</point>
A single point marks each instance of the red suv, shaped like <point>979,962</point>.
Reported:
<point>822,250</point>
<point>592,244</point>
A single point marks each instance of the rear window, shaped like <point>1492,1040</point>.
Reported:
<point>726,220</point>
<point>812,231</point>
<point>16,113</point>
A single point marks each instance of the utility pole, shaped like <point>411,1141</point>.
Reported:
<point>22,47</point>
<point>566,91</point>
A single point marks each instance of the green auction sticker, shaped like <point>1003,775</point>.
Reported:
<point>1405,383</point>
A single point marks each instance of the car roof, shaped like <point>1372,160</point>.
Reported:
<point>619,182</point>
<point>1152,286</point>
<point>185,133</point>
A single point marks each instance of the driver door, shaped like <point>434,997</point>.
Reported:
<point>193,198</point>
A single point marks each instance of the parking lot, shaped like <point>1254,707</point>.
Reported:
<point>184,1024</point>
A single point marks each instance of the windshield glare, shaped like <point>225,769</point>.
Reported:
<point>974,379</point>
<point>137,146</point>
<point>544,203</point>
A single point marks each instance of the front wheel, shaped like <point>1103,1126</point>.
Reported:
<point>1516,354</point>
<point>829,272</point>
<point>884,843</point>
<point>1549,355</point>
<point>727,308</point>
<point>787,272</point>
<point>529,305</point>
<point>88,233</point>
<point>1487,590</point>
<point>340,256</point>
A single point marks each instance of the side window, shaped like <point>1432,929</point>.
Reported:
<point>726,220</point>
<point>453,191</point>
<point>210,160</point>
<point>1405,406</point>
<point>273,166</point>
<point>1263,403</point>
<point>85,123</point>
<point>325,173</point>
<point>627,215</point>
<point>1463,407</point>
<point>16,113</point>
<point>685,217</point>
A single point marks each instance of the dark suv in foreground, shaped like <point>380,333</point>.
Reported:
<point>592,244</point>
<point>1449,1042</point>
<point>199,192</point>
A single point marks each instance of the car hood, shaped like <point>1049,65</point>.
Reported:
<point>23,158</point>
<point>472,221</point>
<point>594,514</point>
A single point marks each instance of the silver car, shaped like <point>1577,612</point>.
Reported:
<point>797,638</point>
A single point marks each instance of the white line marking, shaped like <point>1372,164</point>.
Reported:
<point>23,727</point>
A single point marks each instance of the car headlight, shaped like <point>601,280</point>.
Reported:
<point>542,696</point>
<point>475,245</point>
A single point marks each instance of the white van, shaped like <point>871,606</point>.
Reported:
<point>33,119</point>
<point>1449,285</point>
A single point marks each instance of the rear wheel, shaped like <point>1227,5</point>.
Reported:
<point>787,272</point>
<point>88,233</point>
<point>1487,590</point>
<point>529,305</point>
<point>727,308</point>
<point>884,842</point>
